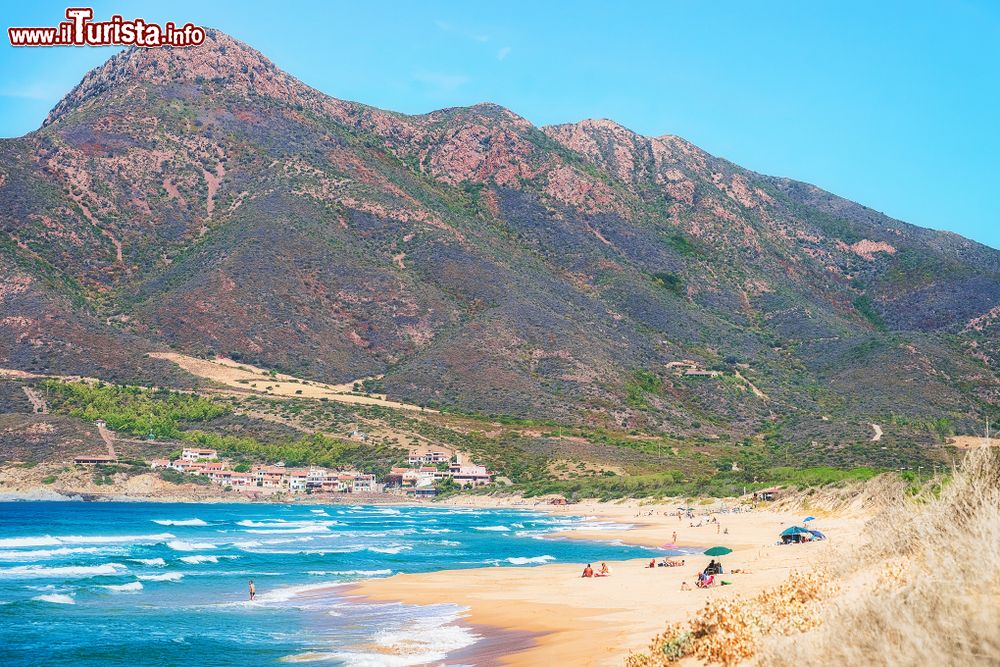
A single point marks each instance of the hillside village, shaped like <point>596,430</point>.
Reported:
<point>424,475</point>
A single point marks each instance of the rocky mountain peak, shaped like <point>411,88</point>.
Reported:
<point>220,59</point>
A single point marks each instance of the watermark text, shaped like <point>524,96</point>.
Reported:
<point>80,30</point>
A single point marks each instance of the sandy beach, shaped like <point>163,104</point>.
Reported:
<point>578,621</point>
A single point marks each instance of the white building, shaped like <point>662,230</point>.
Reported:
<point>195,454</point>
<point>433,456</point>
<point>364,484</point>
<point>466,475</point>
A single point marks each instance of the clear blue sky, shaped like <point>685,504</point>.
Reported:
<point>892,104</point>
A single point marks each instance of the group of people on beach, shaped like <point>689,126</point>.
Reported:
<point>603,571</point>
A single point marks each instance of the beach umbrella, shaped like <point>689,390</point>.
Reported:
<point>794,530</point>
<point>818,535</point>
<point>718,551</point>
<point>809,518</point>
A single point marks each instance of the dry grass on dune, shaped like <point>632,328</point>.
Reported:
<point>861,498</point>
<point>923,588</point>
<point>729,631</point>
<point>926,585</point>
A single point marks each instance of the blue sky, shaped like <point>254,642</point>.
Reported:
<point>892,104</point>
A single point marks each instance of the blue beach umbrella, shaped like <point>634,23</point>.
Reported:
<point>794,530</point>
<point>809,518</point>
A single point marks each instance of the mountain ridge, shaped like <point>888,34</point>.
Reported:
<point>204,199</point>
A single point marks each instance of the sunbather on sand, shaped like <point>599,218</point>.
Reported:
<point>604,571</point>
<point>588,572</point>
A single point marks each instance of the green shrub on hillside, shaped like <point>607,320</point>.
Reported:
<point>132,410</point>
<point>643,382</point>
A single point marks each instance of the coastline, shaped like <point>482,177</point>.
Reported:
<point>548,613</point>
<point>599,621</point>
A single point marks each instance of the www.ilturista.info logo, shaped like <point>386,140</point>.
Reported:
<point>79,30</point>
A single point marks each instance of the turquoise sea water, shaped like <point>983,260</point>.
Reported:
<point>166,584</point>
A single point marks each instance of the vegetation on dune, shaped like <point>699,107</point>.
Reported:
<point>675,483</point>
<point>929,568</point>
<point>921,588</point>
<point>729,631</point>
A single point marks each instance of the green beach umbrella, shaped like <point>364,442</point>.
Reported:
<point>718,551</point>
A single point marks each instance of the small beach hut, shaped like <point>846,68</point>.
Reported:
<point>767,494</point>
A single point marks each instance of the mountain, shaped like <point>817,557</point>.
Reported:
<point>203,200</point>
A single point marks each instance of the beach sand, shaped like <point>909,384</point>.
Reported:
<point>578,621</point>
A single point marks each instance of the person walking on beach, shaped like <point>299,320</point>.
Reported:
<point>253,591</point>
<point>673,538</point>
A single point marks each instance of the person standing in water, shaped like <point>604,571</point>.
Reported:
<point>253,590</point>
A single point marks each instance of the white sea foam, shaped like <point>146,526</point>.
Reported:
<point>530,561</point>
<point>166,576</point>
<point>154,562</point>
<point>599,525</point>
<point>284,523</point>
<point>56,540</point>
<point>40,554</point>
<point>74,571</point>
<point>180,522</point>
<point>390,550</point>
<point>131,587</point>
<point>320,512</point>
<point>288,540</point>
<point>350,573</point>
<point>436,530</point>
<point>261,524</point>
<point>182,545</point>
<point>195,560</point>
<point>55,598</point>
<point>499,529</point>
<point>421,641</point>
<point>286,531</point>
<point>290,592</point>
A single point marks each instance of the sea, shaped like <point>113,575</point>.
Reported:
<point>129,583</point>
